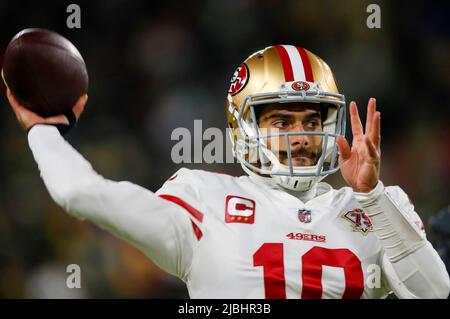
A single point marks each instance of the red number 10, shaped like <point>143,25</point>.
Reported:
<point>270,256</point>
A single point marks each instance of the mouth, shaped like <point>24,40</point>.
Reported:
<point>299,160</point>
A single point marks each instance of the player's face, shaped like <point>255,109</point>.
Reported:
<point>294,117</point>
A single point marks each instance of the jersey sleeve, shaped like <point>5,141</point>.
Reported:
<point>405,205</point>
<point>181,190</point>
<point>411,266</point>
<point>160,228</point>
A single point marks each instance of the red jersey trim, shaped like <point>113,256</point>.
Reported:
<point>191,210</point>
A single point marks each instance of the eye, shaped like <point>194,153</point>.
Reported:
<point>313,124</point>
<point>280,124</point>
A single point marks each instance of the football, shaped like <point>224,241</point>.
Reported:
<point>44,71</point>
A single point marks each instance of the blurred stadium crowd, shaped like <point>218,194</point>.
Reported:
<point>157,66</point>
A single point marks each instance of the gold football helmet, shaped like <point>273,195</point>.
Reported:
<point>283,74</point>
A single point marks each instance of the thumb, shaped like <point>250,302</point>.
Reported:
<point>344,148</point>
<point>78,108</point>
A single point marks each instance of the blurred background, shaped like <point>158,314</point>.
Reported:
<point>154,67</point>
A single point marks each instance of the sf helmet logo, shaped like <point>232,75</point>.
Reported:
<point>239,79</point>
<point>300,86</point>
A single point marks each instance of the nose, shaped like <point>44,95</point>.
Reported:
<point>298,140</point>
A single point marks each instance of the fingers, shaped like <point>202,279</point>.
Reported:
<point>373,119</point>
<point>28,118</point>
<point>373,153</point>
<point>373,123</point>
<point>375,134</point>
<point>79,105</point>
<point>357,129</point>
<point>371,106</point>
<point>344,148</point>
<point>12,101</point>
<point>16,106</point>
<point>25,117</point>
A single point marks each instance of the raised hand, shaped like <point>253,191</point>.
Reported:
<point>360,164</point>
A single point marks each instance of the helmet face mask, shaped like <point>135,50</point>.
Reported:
<point>251,142</point>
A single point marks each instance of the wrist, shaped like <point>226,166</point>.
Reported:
<point>366,189</point>
<point>365,198</point>
<point>39,127</point>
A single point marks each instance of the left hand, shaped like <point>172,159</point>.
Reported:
<point>360,165</point>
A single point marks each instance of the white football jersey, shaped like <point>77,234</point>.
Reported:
<point>240,237</point>
<point>254,241</point>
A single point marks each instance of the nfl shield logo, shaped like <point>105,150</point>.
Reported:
<point>304,215</point>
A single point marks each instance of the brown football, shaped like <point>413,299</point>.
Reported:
<point>44,71</point>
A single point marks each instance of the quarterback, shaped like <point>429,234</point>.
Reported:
<point>279,231</point>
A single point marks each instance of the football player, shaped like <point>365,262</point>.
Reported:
<point>279,231</point>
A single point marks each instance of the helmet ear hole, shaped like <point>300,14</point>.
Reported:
<point>324,111</point>
<point>258,111</point>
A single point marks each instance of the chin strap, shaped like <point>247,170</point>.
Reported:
<point>300,184</point>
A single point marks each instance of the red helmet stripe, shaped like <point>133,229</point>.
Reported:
<point>295,62</point>
<point>306,65</point>
<point>286,62</point>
